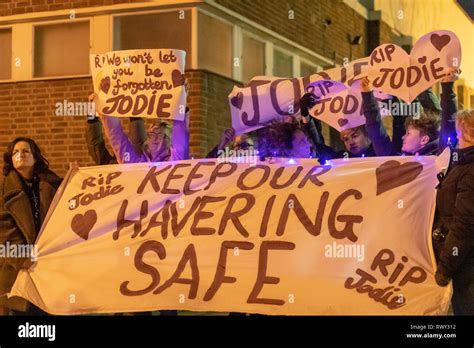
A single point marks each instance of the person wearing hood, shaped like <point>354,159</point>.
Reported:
<point>453,234</point>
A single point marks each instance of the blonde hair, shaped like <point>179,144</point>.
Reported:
<point>465,123</point>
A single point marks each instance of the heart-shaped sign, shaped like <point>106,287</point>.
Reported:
<point>83,224</point>
<point>338,105</point>
<point>404,75</point>
<point>393,174</point>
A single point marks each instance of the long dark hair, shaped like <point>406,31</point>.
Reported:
<point>277,139</point>
<point>41,163</point>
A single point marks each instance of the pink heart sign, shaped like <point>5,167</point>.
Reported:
<point>404,75</point>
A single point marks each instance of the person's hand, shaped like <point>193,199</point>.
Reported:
<point>92,100</point>
<point>452,75</point>
<point>227,137</point>
<point>307,101</point>
<point>26,265</point>
<point>74,165</point>
<point>441,279</point>
<point>92,97</point>
<point>365,85</point>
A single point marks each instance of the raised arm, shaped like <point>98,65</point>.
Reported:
<point>429,101</point>
<point>373,121</point>
<point>398,131</point>
<point>449,108</point>
<point>137,132</point>
<point>180,139</point>
<point>121,145</point>
<point>96,144</point>
<point>313,127</point>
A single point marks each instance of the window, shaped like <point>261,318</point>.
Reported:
<point>155,30</point>
<point>215,45</point>
<point>61,49</point>
<point>307,69</point>
<point>282,64</point>
<point>253,58</point>
<point>5,54</point>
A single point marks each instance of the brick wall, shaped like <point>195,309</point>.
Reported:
<point>28,109</point>
<point>210,112</point>
<point>307,27</point>
<point>14,7</point>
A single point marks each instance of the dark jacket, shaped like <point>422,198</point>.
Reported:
<point>324,152</point>
<point>383,146</point>
<point>17,226</point>
<point>96,143</point>
<point>432,148</point>
<point>213,153</point>
<point>455,218</point>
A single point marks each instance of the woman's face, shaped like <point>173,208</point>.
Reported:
<point>157,143</point>
<point>464,140</point>
<point>301,145</point>
<point>22,156</point>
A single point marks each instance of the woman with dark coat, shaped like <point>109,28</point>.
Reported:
<point>453,237</point>
<point>27,188</point>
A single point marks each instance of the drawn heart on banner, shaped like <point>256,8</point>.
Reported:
<point>83,224</point>
<point>338,105</point>
<point>392,174</point>
<point>178,78</point>
<point>439,41</point>
<point>105,84</point>
<point>404,75</point>
<point>237,100</point>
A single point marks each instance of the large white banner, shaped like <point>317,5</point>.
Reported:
<point>290,237</point>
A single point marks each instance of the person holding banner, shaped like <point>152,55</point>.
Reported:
<point>422,135</point>
<point>27,188</point>
<point>356,140</point>
<point>96,143</point>
<point>455,220</point>
<point>95,139</point>
<point>157,146</point>
<point>285,139</point>
<point>226,138</point>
